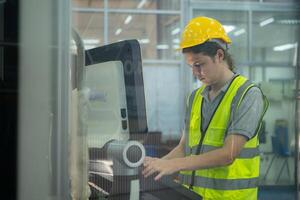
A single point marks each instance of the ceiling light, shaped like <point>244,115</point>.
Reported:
<point>266,22</point>
<point>239,32</point>
<point>89,46</point>
<point>144,41</point>
<point>285,47</point>
<point>289,21</point>
<point>162,46</point>
<point>91,41</point>
<point>128,19</point>
<point>141,4</point>
<point>176,40</point>
<point>175,46</point>
<point>228,28</point>
<point>118,31</point>
<point>295,55</point>
<point>175,31</point>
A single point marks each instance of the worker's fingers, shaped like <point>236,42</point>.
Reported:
<point>146,163</point>
<point>150,166</point>
<point>148,160</point>
<point>146,169</point>
<point>150,172</point>
<point>157,177</point>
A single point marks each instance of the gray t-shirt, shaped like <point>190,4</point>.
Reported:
<point>246,119</point>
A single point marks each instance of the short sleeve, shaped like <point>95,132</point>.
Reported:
<point>247,117</point>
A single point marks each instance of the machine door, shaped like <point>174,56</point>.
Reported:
<point>115,109</point>
<point>118,69</point>
<point>113,85</point>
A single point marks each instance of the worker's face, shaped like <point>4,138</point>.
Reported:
<point>205,68</point>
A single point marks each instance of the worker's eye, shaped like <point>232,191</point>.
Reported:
<point>197,65</point>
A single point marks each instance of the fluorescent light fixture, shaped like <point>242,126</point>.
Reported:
<point>289,21</point>
<point>239,32</point>
<point>91,41</point>
<point>228,28</point>
<point>176,40</point>
<point>295,55</point>
<point>285,47</point>
<point>144,41</point>
<point>88,43</point>
<point>128,19</point>
<point>175,31</point>
<point>266,22</point>
<point>162,46</point>
<point>141,4</point>
<point>89,46</point>
<point>73,47</point>
<point>118,31</point>
<point>175,46</point>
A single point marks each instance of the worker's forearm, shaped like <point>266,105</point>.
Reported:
<point>214,158</point>
<point>177,152</point>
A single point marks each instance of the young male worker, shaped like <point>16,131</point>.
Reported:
<point>217,156</point>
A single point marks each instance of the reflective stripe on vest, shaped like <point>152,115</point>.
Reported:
<point>244,171</point>
<point>220,184</point>
<point>245,152</point>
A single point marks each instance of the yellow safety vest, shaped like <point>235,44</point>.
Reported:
<point>239,180</point>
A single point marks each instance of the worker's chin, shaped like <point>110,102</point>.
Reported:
<point>205,81</point>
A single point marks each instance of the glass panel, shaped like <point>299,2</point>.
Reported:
<point>90,27</point>
<point>9,93</point>
<point>157,34</point>
<point>277,80</point>
<point>282,1</point>
<point>235,24</point>
<point>145,4</point>
<point>163,112</point>
<point>278,135</point>
<point>245,1</point>
<point>297,143</point>
<point>88,3</point>
<point>113,112</point>
<point>43,97</point>
<point>272,45</point>
<point>275,40</point>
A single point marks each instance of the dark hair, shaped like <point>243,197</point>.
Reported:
<point>210,49</point>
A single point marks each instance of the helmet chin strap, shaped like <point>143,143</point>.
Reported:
<point>224,45</point>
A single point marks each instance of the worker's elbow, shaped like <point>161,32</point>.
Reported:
<point>181,153</point>
<point>181,148</point>
<point>228,159</point>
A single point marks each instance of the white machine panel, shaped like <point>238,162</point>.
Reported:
<point>105,86</point>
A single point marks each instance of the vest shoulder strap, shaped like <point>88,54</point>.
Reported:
<point>240,94</point>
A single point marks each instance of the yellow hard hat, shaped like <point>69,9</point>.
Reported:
<point>202,29</point>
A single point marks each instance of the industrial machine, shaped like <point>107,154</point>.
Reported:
<point>113,83</point>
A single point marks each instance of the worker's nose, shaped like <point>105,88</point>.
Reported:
<point>196,71</point>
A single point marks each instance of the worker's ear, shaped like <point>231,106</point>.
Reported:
<point>219,57</point>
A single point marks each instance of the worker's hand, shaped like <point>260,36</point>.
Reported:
<point>149,159</point>
<point>160,166</point>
